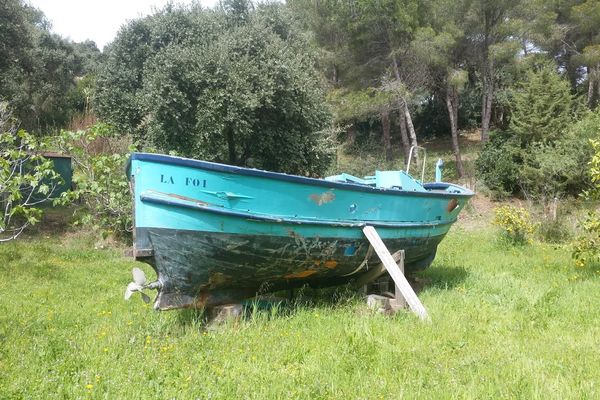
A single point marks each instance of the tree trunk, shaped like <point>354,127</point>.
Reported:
<point>486,115</point>
<point>334,77</point>
<point>387,141</point>
<point>351,138</point>
<point>231,145</point>
<point>403,133</point>
<point>500,117</point>
<point>486,99</point>
<point>452,105</point>
<point>404,111</point>
<point>411,130</point>
<point>590,94</point>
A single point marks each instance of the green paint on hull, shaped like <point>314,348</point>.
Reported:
<point>204,269</point>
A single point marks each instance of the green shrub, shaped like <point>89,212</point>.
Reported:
<point>101,185</point>
<point>586,249</point>
<point>551,170</point>
<point>554,230</point>
<point>27,179</point>
<point>541,170</point>
<point>514,223</point>
<point>544,153</point>
<point>499,163</point>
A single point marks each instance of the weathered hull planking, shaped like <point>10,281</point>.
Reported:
<point>217,234</point>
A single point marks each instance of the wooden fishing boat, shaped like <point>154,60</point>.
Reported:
<point>216,234</point>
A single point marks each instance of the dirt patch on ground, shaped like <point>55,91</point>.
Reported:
<point>477,213</point>
<point>54,222</point>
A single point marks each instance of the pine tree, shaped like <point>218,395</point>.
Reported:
<point>543,107</point>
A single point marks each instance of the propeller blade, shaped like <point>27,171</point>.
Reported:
<point>138,284</point>
<point>145,297</point>
<point>131,288</point>
<point>139,277</point>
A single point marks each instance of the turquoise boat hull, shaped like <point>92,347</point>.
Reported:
<point>217,234</point>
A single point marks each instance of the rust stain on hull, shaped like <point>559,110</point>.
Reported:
<point>323,198</point>
<point>201,298</point>
<point>191,200</point>
<point>302,274</point>
<point>452,204</point>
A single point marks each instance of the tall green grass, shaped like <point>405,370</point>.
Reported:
<point>506,323</point>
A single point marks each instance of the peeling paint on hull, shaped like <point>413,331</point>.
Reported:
<point>204,269</point>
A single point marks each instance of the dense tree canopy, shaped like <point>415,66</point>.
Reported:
<point>242,83</point>
<point>234,84</point>
<point>39,69</point>
<point>445,56</point>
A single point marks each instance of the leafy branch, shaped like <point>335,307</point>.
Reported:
<point>27,179</point>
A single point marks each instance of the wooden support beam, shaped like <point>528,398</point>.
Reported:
<point>399,279</point>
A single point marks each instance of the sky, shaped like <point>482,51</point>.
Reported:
<point>98,20</point>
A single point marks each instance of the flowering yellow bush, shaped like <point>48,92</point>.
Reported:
<point>514,223</point>
<point>586,249</point>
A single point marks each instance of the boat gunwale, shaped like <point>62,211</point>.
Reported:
<point>211,166</point>
<point>146,197</point>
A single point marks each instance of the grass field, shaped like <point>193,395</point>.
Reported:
<point>506,323</point>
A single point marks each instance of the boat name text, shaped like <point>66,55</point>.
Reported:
<point>188,181</point>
